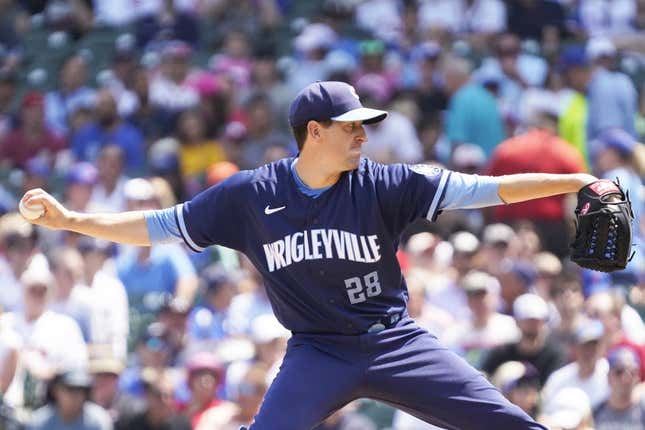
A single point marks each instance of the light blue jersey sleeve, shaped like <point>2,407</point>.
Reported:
<point>162,226</point>
<point>470,192</point>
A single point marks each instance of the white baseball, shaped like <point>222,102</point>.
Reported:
<point>31,212</point>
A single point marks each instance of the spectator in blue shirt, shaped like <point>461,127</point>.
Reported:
<point>207,322</point>
<point>151,274</point>
<point>612,97</point>
<point>473,115</point>
<point>71,95</point>
<point>109,129</point>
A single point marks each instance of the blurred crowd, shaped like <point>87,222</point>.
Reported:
<point>116,105</point>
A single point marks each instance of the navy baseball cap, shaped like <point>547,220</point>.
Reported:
<point>333,100</point>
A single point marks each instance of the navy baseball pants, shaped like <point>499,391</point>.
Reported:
<point>404,366</point>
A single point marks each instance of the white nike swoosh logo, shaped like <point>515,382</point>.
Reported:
<point>269,211</point>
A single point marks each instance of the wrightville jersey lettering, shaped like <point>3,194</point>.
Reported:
<point>318,244</point>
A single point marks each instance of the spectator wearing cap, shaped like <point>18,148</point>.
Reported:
<point>497,239</point>
<point>622,324</point>
<point>150,274</point>
<point>51,341</point>
<point>196,150</point>
<point>473,115</point>
<point>624,409</point>
<point>519,383</point>
<point>589,370</point>
<point>265,78</point>
<point>204,374</point>
<point>109,129</point>
<point>516,278</point>
<point>70,408</point>
<point>534,346</point>
<point>80,181</point>
<point>17,248</point>
<point>567,297</point>
<point>617,155</point>
<point>170,89</point>
<point>569,409</point>
<point>72,94</point>
<point>105,371</point>
<point>107,296</point>
<point>207,322</point>
<point>32,137</point>
<point>108,193</point>
<point>572,122</point>
<point>486,328</point>
<point>612,97</point>
<point>540,149</point>
<point>269,339</point>
<point>159,411</point>
<point>152,354</point>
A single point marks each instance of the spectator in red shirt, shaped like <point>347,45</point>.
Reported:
<point>32,137</point>
<point>540,149</point>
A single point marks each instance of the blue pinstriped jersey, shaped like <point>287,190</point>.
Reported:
<point>329,263</point>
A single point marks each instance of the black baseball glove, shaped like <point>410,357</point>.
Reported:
<point>603,227</point>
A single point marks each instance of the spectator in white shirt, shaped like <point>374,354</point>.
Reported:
<point>51,341</point>
<point>108,194</point>
<point>588,372</point>
<point>486,328</point>
<point>109,324</point>
<point>170,89</point>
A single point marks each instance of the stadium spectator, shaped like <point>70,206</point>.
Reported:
<point>52,342</point>
<point>196,151</point>
<point>625,408</point>
<point>109,129</point>
<point>80,180</point>
<point>473,115</point>
<point>589,370</point>
<point>166,22</point>
<point>69,294</point>
<point>486,328</point>
<point>169,88</point>
<point>105,372</point>
<point>569,302</point>
<point>150,274</point>
<point>537,20</point>
<point>159,409</point>
<point>612,97</point>
<point>538,150</point>
<point>568,410</point>
<point>262,135</point>
<point>18,241</point>
<point>32,137</point>
<point>108,194</point>
<point>520,383</point>
<point>72,94</point>
<point>207,322</point>
<point>205,374</point>
<point>70,408</point>
<point>534,346</point>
